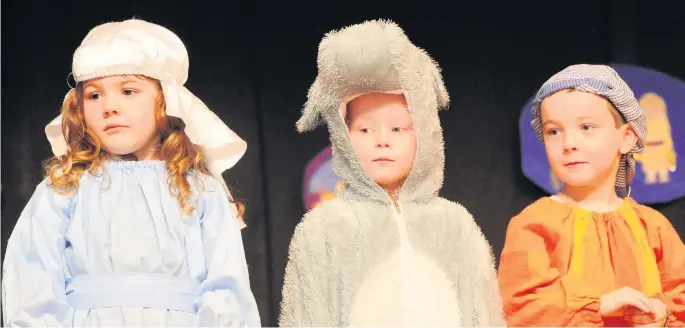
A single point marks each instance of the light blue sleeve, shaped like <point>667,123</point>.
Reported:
<point>33,281</point>
<point>226,299</point>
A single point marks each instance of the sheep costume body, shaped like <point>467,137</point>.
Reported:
<point>362,258</point>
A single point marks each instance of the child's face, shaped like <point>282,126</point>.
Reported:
<point>581,139</point>
<point>383,137</point>
<point>120,110</point>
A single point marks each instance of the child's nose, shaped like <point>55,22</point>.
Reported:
<point>383,139</point>
<point>111,108</point>
<point>570,142</point>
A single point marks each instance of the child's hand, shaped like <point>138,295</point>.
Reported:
<point>615,303</point>
<point>641,319</point>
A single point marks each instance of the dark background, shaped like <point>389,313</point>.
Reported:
<point>253,61</point>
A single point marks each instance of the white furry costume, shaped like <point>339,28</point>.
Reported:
<point>357,260</point>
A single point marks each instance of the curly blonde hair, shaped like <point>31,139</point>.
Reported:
<point>85,154</point>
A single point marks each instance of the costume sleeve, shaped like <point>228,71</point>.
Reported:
<point>671,264</point>
<point>226,299</point>
<point>303,304</point>
<point>33,280</point>
<point>534,293</point>
<point>486,295</point>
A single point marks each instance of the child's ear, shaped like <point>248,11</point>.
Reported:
<point>628,138</point>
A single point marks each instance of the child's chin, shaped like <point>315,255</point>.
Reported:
<point>117,152</point>
<point>576,181</point>
<point>387,181</point>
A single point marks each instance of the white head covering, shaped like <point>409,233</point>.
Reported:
<point>138,47</point>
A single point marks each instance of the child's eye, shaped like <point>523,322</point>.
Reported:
<point>129,92</point>
<point>364,130</point>
<point>397,129</point>
<point>586,127</point>
<point>552,132</point>
<point>94,96</point>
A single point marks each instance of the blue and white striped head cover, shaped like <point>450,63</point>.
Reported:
<point>604,81</point>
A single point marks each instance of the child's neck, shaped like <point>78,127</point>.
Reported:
<point>591,198</point>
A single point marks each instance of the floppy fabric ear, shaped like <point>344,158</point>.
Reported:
<point>311,114</point>
<point>441,94</point>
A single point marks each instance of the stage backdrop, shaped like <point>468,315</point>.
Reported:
<point>252,61</point>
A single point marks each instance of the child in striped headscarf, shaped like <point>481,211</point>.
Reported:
<point>590,255</point>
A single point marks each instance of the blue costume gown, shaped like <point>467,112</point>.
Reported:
<point>121,253</point>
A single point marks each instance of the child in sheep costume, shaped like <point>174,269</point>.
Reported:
<point>373,256</point>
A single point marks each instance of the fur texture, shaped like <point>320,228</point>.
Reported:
<point>357,260</point>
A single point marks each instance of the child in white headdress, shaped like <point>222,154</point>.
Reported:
<point>134,224</point>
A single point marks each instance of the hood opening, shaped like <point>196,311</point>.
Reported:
<point>343,114</point>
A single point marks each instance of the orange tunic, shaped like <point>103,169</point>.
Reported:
<point>541,285</point>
